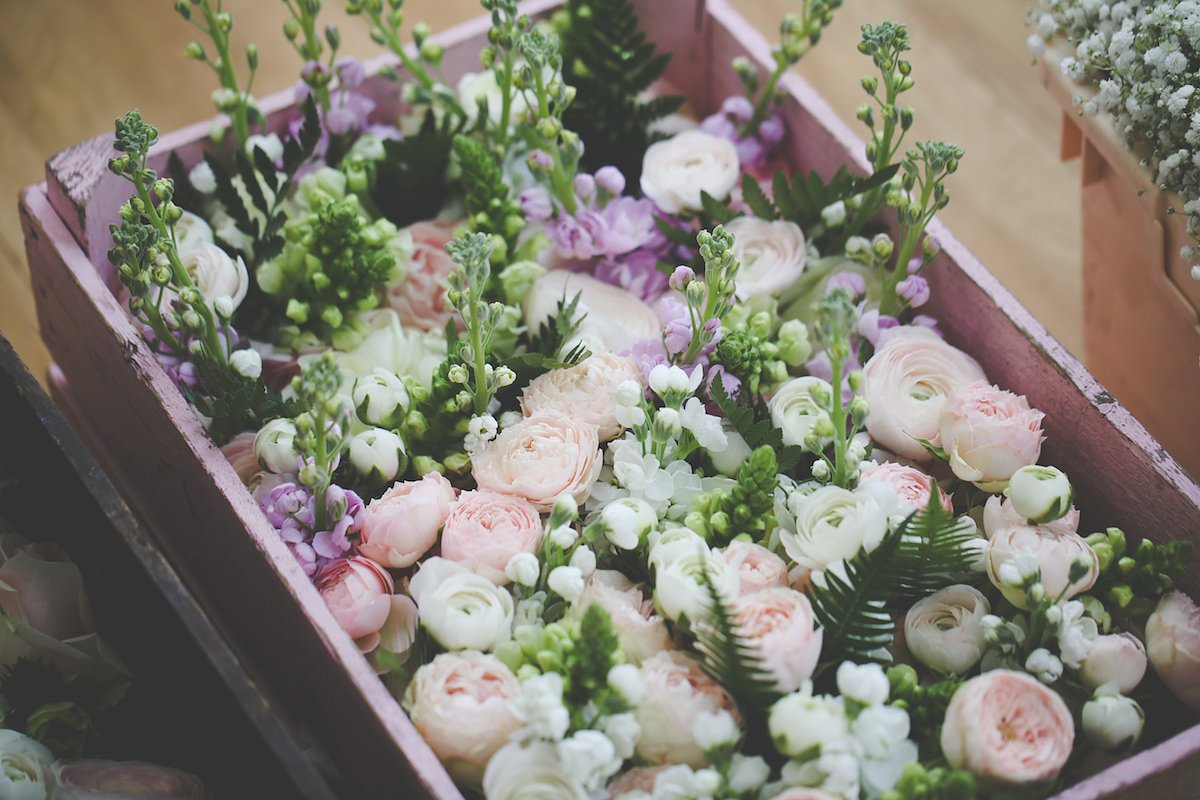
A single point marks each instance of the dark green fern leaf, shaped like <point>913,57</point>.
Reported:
<point>410,181</point>
<point>757,199</point>
<point>299,148</point>
<point>853,611</point>
<point>750,418</point>
<point>932,551</point>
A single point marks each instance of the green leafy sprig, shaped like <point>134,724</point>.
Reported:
<point>472,252</point>
<point>1132,581</point>
<point>746,509</point>
<point>322,431</point>
<point>749,416</point>
<point>833,331</point>
<point>934,550</point>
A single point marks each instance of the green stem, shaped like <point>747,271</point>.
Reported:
<point>224,70</point>
<point>838,416</point>
<point>320,512</point>
<point>480,365</point>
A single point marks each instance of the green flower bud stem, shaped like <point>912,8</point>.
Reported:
<point>310,47</point>
<point>218,30</point>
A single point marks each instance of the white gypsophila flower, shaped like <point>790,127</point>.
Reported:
<point>865,683</point>
<point>714,729</point>
<point>523,569</point>
<point>1044,665</point>
<point>590,758</point>
<point>540,708</point>
<point>567,582</point>
<point>626,680</point>
<point>247,362</point>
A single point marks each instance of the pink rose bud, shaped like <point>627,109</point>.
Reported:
<point>399,527</point>
<point>358,592</point>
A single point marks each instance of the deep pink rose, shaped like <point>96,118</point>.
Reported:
<point>780,625</point>
<point>358,592</point>
<point>420,299</point>
<point>1008,728</point>
<point>989,434</point>
<point>541,457</point>
<point>401,526</point>
<point>485,529</point>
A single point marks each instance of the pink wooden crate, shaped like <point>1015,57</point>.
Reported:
<point>242,572</point>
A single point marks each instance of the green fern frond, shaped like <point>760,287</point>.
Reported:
<point>853,611</point>
<point>932,550</point>
<point>732,661</point>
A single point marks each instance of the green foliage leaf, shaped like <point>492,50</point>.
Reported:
<point>750,418</point>
<point>802,199</point>
<point>410,180</point>
<point>488,198</point>
<point>720,213</point>
<point>853,611</point>
<point>234,402</point>
<point>933,549</point>
<point>610,63</point>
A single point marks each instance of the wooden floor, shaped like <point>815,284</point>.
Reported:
<point>72,66</point>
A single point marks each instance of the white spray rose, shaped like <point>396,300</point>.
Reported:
<point>943,630</point>
<point>675,171</point>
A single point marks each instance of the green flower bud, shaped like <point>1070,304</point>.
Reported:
<point>194,51</point>
<point>291,29</point>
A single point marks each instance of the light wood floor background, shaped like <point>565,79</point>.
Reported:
<point>71,66</point>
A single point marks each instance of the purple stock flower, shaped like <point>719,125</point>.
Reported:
<point>738,106</point>
<point>535,204</point>
<point>677,335</point>
<point>914,289</point>
<point>648,353</point>
<point>874,326</point>
<point>571,238</point>
<point>628,225</point>
<point>584,185</point>
<point>541,158</point>
<point>610,180</point>
<point>856,283</point>
<point>681,277</point>
<point>289,509</point>
<point>635,272</point>
<point>926,321</point>
<point>772,130</point>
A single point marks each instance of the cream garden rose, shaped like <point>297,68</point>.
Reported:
<point>539,458</point>
<point>912,486</point>
<point>906,383</point>
<point>677,690</point>
<point>989,434</point>
<point>772,255</point>
<point>640,630</point>
<point>757,567</point>
<point>420,297</point>
<point>943,630</point>
<point>461,609</point>
<point>485,529</point>
<point>462,703</point>
<point>1008,728</point>
<point>1173,646</point>
<point>402,525</point>
<point>586,391</point>
<point>675,171</point>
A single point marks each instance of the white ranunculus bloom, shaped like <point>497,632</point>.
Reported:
<point>274,446</point>
<point>798,409</point>
<point>389,346</point>
<point>833,524</point>
<point>25,767</point>
<point>529,772</point>
<point>675,171</point>
<point>1118,658</point>
<point>943,631</point>
<point>377,452</point>
<point>614,317</point>
<point>680,564</point>
<point>772,255</point>
<point>461,609</point>
<point>191,231</point>
<point>215,273</point>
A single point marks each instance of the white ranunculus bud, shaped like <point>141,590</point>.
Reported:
<point>567,582</point>
<point>380,398</point>
<point>377,452</point>
<point>274,446</point>
<point>523,569</point>
<point>584,560</point>
<point>865,683</point>
<point>627,521</point>
<point>1113,722</point>
<point>247,362</point>
<point>1040,494</point>
<point>799,722</point>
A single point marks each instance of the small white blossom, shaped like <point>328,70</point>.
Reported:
<point>523,569</point>
<point>567,582</point>
<point>1044,665</point>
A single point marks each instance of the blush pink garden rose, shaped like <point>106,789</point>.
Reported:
<point>676,691</point>
<point>93,778</point>
<point>420,299</point>
<point>539,458</point>
<point>906,383</point>
<point>912,486</point>
<point>463,704</point>
<point>772,255</point>
<point>358,592</point>
<point>586,391</point>
<point>1173,646</point>
<point>485,529</point>
<point>758,568</point>
<point>239,452</point>
<point>641,632</point>
<point>780,625</point>
<point>1008,728</point>
<point>402,525</point>
<point>1055,549</point>
<point>989,434</point>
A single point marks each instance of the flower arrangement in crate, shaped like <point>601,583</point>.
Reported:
<point>596,426</point>
<point>1141,59</point>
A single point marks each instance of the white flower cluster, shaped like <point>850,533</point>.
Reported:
<point>1143,58</point>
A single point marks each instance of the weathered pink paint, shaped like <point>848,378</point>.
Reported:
<point>232,559</point>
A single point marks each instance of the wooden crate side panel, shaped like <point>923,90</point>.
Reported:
<point>1166,771</point>
<point>184,485</point>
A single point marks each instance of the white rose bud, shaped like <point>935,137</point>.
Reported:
<point>567,582</point>
<point>274,446</point>
<point>1040,494</point>
<point>865,683</point>
<point>379,396</point>
<point>247,363</point>
<point>523,569</point>
<point>1113,722</point>
<point>376,453</point>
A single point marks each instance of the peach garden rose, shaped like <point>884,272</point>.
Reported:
<point>780,624</point>
<point>676,691</point>
<point>539,458</point>
<point>358,592</point>
<point>485,529</point>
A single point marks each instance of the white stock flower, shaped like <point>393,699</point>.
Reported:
<point>540,707</point>
<point>747,773</point>
<point>832,524</point>
<point>715,729</point>
<point>882,733</point>
<point>523,569</point>
<point>623,730</point>
<point>704,426</point>
<point>627,521</point>
<point>1044,665</point>
<point>799,723</point>
<point>865,683</point>
<point>246,362</point>
<point>1076,633</point>
<point>590,758</point>
<point>584,560</point>
<point>567,582</point>
<point>626,680</point>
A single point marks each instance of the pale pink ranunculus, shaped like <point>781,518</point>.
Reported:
<point>610,318</point>
<point>1008,728</point>
<point>358,592</point>
<point>675,171</point>
<point>676,691</point>
<point>772,255</point>
<point>999,514</point>
<point>989,433</point>
<point>758,568</point>
<point>1118,658</point>
<point>640,630</point>
<point>779,624</point>
<point>906,383</point>
<point>485,529</point>
<point>912,486</point>
<point>541,457</point>
<point>1055,549</point>
<point>420,299</point>
<point>944,630</point>
<point>402,525</point>
<point>239,452</point>
<point>1173,646</point>
<point>97,779</point>
<point>586,391</point>
<point>463,704</point>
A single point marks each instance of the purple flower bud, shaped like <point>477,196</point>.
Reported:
<point>610,179</point>
<point>932,245</point>
<point>535,204</point>
<point>681,277</point>
<point>738,106</point>
<point>926,321</point>
<point>915,289</point>
<point>772,130</point>
<point>871,325</point>
<point>541,159</point>
<point>856,283</point>
<point>585,185</point>
<point>677,335</point>
<point>914,264</point>
<point>712,325</point>
<point>350,72</point>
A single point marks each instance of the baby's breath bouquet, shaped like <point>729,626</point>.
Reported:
<point>1141,59</point>
<point>621,449</point>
